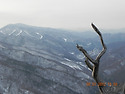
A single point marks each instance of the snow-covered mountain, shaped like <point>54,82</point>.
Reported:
<point>37,60</point>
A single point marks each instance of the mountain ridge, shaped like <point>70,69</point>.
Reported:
<point>54,57</point>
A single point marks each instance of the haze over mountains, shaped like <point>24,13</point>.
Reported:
<point>37,60</point>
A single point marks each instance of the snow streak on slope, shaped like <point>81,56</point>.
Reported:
<point>39,35</point>
<point>19,33</point>
<point>74,66</point>
<point>28,34</point>
<point>12,32</point>
<point>2,32</point>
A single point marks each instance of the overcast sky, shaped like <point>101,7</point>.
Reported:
<point>67,14</point>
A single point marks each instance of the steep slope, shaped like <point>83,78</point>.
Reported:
<point>37,60</point>
<point>113,62</point>
<point>39,65</point>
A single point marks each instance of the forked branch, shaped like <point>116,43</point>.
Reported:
<point>95,66</point>
<point>85,53</point>
<point>102,42</point>
<point>88,64</point>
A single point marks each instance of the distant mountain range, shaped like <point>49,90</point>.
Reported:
<point>38,60</point>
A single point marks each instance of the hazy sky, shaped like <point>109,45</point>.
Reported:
<point>67,14</point>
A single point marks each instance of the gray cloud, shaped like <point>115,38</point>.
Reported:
<point>68,14</point>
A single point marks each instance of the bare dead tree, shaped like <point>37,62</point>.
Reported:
<point>88,59</point>
<point>94,65</point>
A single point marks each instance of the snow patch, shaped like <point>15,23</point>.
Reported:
<point>1,46</point>
<point>83,75</point>
<point>40,35</point>
<point>122,63</point>
<point>19,33</point>
<point>110,71</point>
<point>67,59</point>
<point>107,72</point>
<point>65,39</point>
<point>72,66</point>
<point>72,53</point>
<point>77,67</point>
<point>37,33</point>
<point>27,92</point>
<point>89,44</point>
<point>12,32</point>
<point>94,52</point>
<point>81,64</point>
<point>28,34</point>
<point>2,32</point>
<point>80,56</point>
